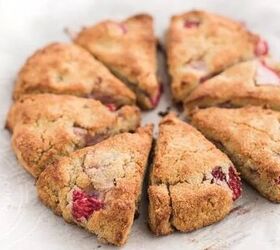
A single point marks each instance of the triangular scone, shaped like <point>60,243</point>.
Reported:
<point>46,127</point>
<point>255,82</point>
<point>61,68</point>
<point>251,138</point>
<point>201,44</point>
<point>192,183</point>
<point>99,187</point>
<point>128,49</point>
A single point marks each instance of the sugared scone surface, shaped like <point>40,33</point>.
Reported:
<point>251,138</point>
<point>201,44</point>
<point>254,82</point>
<point>62,68</point>
<point>193,183</point>
<point>99,187</point>
<point>128,48</point>
<point>46,126</point>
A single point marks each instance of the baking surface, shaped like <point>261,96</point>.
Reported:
<point>24,222</point>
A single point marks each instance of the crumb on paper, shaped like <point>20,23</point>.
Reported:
<point>164,113</point>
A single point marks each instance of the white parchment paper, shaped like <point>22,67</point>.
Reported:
<point>24,222</point>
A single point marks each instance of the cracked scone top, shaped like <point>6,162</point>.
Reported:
<point>251,138</point>
<point>192,183</point>
<point>254,82</point>
<point>201,44</point>
<point>128,48</point>
<point>62,68</point>
<point>46,127</point>
<point>99,187</point>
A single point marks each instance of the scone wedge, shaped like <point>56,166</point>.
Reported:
<point>62,68</point>
<point>254,82</point>
<point>47,127</point>
<point>128,49</point>
<point>192,183</point>
<point>251,138</point>
<point>99,187</point>
<point>201,44</point>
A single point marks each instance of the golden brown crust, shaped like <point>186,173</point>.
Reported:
<point>46,127</point>
<point>196,206</point>
<point>254,82</point>
<point>62,68</point>
<point>113,170</point>
<point>200,44</point>
<point>128,48</point>
<point>190,180</point>
<point>250,136</point>
<point>159,209</point>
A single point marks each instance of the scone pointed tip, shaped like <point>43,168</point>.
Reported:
<point>147,129</point>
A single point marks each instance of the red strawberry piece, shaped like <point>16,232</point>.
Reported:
<point>234,183</point>
<point>84,205</point>
<point>191,24</point>
<point>261,48</point>
<point>218,174</point>
<point>111,106</point>
<point>156,98</point>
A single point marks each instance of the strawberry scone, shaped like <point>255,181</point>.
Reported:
<point>46,127</point>
<point>62,68</point>
<point>255,82</point>
<point>250,136</point>
<point>192,183</point>
<point>99,187</point>
<point>201,44</point>
<point>128,49</point>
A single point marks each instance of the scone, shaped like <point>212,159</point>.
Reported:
<point>254,82</point>
<point>46,127</point>
<point>128,49</point>
<point>99,187</point>
<point>192,183</point>
<point>251,138</point>
<point>62,68</point>
<point>201,44</point>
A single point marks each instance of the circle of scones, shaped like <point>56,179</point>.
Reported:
<point>47,127</point>
<point>99,187</point>
<point>192,183</point>
<point>202,44</point>
<point>62,68</point>
<point>128,49</point>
